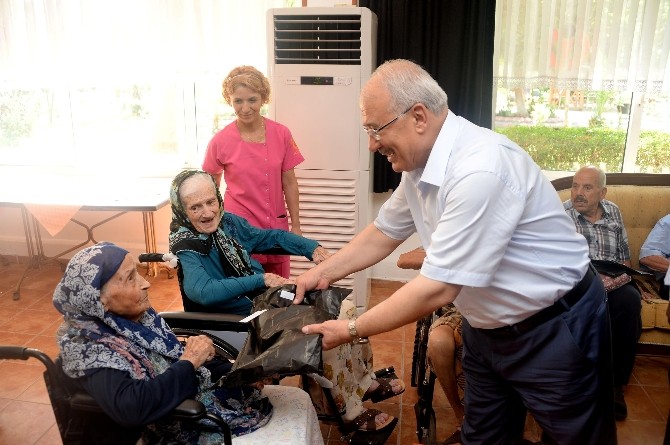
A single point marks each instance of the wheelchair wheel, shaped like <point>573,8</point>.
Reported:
<point>424,381</point>
<point>223,349</point>
<point>419,356</point>
<point>426,430</point>
<point>429,435</point>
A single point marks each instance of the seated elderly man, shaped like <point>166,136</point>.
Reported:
<point>601,223</point>
<point>655,253</point>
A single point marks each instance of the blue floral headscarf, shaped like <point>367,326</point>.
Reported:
<point>91,338</point>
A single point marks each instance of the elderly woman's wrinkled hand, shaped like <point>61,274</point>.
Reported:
<point>198,350</point>
<point>320,254</point>
<point>272,280</point>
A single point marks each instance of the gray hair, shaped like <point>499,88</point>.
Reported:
<point>602,177</point>
<point>407,84</point>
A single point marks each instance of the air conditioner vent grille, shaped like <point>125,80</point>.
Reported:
<point>317,39</point>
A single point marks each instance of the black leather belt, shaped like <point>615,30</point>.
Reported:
<point>561,305</point>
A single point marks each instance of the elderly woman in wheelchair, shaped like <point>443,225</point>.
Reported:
<point>218,274</point>
<point>116,347</point>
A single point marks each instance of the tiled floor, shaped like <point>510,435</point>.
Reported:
<point>26,417</point>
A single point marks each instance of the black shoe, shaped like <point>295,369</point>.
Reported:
<point>454,438</point>
<point>620,408</point>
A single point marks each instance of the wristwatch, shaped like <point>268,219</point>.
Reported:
<point>352,329</point>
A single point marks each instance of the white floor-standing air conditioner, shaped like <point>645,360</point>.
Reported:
<point>319,58</point>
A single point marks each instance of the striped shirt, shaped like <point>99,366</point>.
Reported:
<point>606,237</point>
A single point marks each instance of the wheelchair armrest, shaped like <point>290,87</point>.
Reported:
<point>83,401</point>
<point>205,321</point>
<point>193,410</point>
<point>189,409</point>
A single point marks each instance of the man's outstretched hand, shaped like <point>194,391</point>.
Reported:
<point>306,282</point>
<point>333,332</point>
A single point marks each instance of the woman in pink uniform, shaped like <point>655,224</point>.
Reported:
<point>256,156</point>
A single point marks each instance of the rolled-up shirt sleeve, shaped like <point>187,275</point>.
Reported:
<point>658,241</point>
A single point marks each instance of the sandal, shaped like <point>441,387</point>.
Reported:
<point>385,389</point>
<point>366,422</point>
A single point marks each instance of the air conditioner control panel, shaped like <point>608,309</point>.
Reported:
<point>318,80</point>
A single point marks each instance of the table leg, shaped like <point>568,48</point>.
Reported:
<point>31,246</point>
<point>153,269</point>
<point>36,248</point>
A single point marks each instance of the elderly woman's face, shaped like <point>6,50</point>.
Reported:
<point>125,294</point>
<point>198,198</point>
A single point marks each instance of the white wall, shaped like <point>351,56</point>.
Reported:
<point>387,268</point>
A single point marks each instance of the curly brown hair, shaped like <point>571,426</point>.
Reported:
<point>249,77</point>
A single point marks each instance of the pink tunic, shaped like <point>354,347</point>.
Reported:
<point>252,172</point>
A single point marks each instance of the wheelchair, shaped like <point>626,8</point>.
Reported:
<point>200,319</point>
<point>422,377</point>
<point>76,411</point>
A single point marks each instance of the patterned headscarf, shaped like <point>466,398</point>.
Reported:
<point>184,236</point>
<point>92,338</point>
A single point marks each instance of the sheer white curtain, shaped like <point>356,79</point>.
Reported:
<point>123,82</point>
<point>619,45</point>
<point>77,40</point>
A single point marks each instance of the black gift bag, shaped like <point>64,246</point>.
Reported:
<point>276,344</point>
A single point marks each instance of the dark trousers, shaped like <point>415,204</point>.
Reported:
<point>625,305</point>
<point>560,371</point>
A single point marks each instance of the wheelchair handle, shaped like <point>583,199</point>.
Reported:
<point>169,258</point>
<point>14,353</point>
<point>151,257</point>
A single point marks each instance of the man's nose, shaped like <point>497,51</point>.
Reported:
<point>373,144</point>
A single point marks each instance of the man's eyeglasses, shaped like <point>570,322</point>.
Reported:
<point>374,132</point>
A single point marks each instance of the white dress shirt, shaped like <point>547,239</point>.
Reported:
<point>489,221</point>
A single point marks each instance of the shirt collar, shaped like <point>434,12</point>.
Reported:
<point>605,214</point>
<point>440,153</point>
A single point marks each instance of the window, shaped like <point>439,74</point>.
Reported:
<point>581,83</point>
<point>129,86</point>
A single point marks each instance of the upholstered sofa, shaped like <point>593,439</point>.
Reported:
<point>643,200</point>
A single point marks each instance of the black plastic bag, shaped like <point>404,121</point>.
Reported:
<point>614,268</point>
<point>276,344</point>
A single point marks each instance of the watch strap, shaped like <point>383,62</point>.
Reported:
<point>352,328</point>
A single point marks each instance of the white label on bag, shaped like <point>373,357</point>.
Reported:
<point>286,294</point>
<point>252,316</point>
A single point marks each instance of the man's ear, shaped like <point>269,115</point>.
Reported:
<point>603,192</point>
<point>419,115</point>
